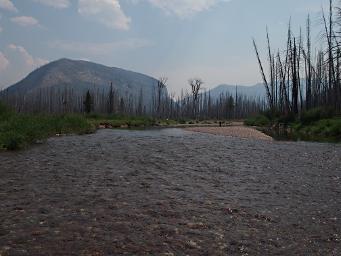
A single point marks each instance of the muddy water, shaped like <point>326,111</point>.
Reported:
<point>170,192</point>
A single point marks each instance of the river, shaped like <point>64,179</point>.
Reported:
<point>170,192</point>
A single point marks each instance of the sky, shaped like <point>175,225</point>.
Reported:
<point>178,39</point>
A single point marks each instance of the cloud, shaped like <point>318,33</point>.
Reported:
<point>107,12</point>
<point>15,63</point>
<point>59,4</point>
<point>25,21</point>
<point>8,5</point>
<point>97,49</point>
<point>184,8</point>
<point>3,62</point>
<point>29,60</point>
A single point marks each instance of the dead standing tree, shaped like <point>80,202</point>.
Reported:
<point>161,86</point>
<point>88,102</point>
<point>320,79</point>
<point>111,96</point>
<point>266,84</point>
<point>195,84</point>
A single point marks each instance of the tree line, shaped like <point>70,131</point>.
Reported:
<point>194,103</point>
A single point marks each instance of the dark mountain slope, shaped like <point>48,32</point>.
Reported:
<point>82,75</point>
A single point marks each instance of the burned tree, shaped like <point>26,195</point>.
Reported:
<point>195,85</point>
<point>88,102</point>
<point>111,96</point>
<point>161,87</point>
<point>318,76</point>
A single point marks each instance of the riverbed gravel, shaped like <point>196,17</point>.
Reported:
<point>238,131</point>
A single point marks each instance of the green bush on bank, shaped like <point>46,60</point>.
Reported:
<point>318,124</point>
<point>316,114</point>
<point>260,120</point>
<point>325,130</point>
<point>20,130</point>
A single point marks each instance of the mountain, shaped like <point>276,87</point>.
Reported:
<point>82,75</point>
<point>255,91</point>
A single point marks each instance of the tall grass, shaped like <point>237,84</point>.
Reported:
<point>20,130</point>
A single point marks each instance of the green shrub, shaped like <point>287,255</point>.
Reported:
<point>182,121</point>
<point>316,114</point>
<point>325,130</point>
<point>271,114</point>
<point>287,119</point>
<point>19,130</point>
<point>5,112</point>
<point>11,140</point>
<point>260,120</point>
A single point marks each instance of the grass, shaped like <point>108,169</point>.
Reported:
<point>18,130</point>
<point>320,125</point>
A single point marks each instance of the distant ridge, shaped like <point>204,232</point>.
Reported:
<point>254,91</point>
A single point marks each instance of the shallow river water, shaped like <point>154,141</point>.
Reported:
<point>170,192</point>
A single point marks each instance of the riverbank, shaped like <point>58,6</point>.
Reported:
<point>317,125</point>
<point>19,130</point>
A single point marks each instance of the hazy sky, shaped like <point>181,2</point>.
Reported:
<point>180,39</point>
